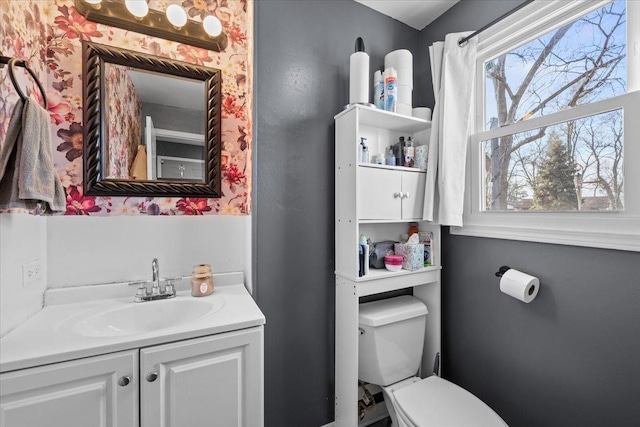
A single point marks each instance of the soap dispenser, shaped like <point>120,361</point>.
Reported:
<point>364,151</point>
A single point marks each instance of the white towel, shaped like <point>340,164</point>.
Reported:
<point>453,72</point>
<point>27,174</point>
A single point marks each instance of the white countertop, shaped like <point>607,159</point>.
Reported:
<point>46,338</point>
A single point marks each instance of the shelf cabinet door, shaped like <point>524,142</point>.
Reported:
<point>379,194</point>
<point>213,381</point>
<point>78,393</point>
<point>413,189</point>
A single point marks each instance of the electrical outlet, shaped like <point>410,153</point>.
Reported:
<point>31,272</point>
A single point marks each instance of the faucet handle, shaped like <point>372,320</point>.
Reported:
<point>169,287</point>
<point>142,288</point>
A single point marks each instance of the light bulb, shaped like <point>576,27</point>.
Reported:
<point>138,8</point>
<point>176,15</point>
<point>212,25</point>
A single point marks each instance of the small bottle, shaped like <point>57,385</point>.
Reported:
<point>380,159</point>
<point>400,152</point>
<point>409,154</point>
<point>390,159</point>
<point>364,151</point>
<point>413,229</point>
<point>390,89</point>
<point>365,251</point>
<point>201,280</point>
<point>378,90</point>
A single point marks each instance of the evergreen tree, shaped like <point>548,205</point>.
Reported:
<point>555,189</point>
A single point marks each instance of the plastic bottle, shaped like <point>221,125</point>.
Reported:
<point>378,90</point>
<point>409,154</point>
<point>380,159</point>
<point>365,250</point>
<point>364,151</point>
<point>390,159</point>
<point>390,89</point>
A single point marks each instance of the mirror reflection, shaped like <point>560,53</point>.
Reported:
<point>154,126</point>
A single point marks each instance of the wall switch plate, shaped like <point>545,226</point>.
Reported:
<point>31,272</point>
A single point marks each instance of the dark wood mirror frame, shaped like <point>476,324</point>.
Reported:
<point>94,57</point>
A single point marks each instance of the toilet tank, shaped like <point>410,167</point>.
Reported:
<point>391,339</point>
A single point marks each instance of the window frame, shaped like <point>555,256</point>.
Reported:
<point>613,230</point>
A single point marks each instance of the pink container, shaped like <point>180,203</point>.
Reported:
<point>393,262</point>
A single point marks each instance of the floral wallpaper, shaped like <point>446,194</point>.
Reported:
<point>48,33</point>
<point>124,120</point>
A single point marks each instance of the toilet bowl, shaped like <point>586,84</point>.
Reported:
<point>390,350</point>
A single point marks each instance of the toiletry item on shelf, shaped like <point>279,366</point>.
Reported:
<point>393,262</point>
<point>409,154</point>
<point>378,90</point>
<point>426,237</point>
<point>422,157</point>
<point>380,159</point>
<point>390,90</point>
<point>413,228</point>
<point>412,253</point>
<point>398,151</point>
<point>364,151</point>
<point>359,75</point>
<point>390,159</point>
<point>201,280</point>
<point>365,250</point>
<point>380,250</point>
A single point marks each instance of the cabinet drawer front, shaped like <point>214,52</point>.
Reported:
<point>378,193</point>
<point>79,393</point>
<point>212,381</point>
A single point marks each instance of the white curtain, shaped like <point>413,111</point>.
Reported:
<point>452,71</point>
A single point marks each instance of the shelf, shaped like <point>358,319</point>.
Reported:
<point>383,280</point>
<point>395,168</point>
<point>371,116</point>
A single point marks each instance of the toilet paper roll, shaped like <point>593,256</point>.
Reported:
<point>359,78</point>
<point>519,285</point>
<point>402,61</point>
<point>405,95</point>
<point>402,108</point>
<point>422,113</point>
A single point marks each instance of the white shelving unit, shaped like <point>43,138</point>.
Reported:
<point>367,203</point>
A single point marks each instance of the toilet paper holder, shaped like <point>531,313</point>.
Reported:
<point>502,270</point>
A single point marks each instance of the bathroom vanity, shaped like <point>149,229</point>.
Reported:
<point>108,361</point>
<point>378,201</point>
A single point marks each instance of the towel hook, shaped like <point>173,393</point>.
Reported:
<point>12,64</point>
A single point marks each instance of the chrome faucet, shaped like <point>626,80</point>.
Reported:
<point>143,294</point>
<point>155,277</point>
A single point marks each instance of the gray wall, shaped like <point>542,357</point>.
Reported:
<point>302,51</point>
<point>572,356</point>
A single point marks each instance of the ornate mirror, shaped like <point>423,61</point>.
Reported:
<point>151,125</point>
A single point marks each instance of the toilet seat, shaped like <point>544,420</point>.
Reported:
<point>438,402</point>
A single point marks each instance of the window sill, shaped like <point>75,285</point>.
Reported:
<point>609,231</point>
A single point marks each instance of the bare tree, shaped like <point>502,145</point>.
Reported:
<point>554,79</point>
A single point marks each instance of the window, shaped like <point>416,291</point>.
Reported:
<point>555,150</point>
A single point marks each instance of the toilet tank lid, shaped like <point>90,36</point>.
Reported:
<point>391,310</point>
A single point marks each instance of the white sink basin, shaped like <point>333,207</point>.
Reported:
<point>138,318</point>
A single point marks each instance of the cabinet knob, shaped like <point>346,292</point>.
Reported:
<point>396,195</point>
<point>124,381</point>
<point>152,376</point>
<point>406,195</point>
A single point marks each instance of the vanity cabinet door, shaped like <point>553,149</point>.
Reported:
<point>214,381</point>
<point>413,194</point>
<point>379,194</point>
<point>79,393</point>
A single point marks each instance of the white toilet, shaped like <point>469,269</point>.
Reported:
<point>390,351</point>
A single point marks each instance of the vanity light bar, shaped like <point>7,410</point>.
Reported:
<point>155,23</point>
